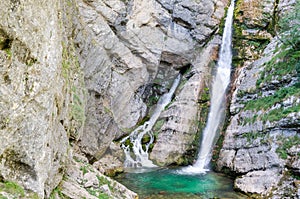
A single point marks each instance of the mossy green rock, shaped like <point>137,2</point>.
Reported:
<point>261,137</point>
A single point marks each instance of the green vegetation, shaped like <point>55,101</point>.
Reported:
<point>288,28</point>
<point>140,123</point>
<point>264,138</point>
<point>74,79</point>
<point>103,196</point>
<point>248,120</point>
<point>3,197</point>
<point>12,188</point>
<point>78,105</point>
<point>252,136</point>
<point>153,99</point>
<point>286,144</point>
<point>267,102</point>
<point>205,95</point>
<point>277,114</point>
<point>247,46</point>
<point>198,126</point>
<point>285,62</point>
<point>241,93</point>
<point>222,22</point>
<point>97,193</point>
<point>84,169</point>
<point>57,192</point>
<point>219,145</point>
<point>128,143</point>
<point>102,180</point>
<point>273,115</point>
<point>217,148</point>
<point>157,127</point>
<point>9,53</point>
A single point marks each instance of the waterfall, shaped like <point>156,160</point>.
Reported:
<point>217,102</point>
<point>140,154</point>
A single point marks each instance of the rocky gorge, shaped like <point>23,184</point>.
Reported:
<point>77,76</point>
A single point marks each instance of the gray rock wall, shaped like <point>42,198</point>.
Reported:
<point>85,71</point>
<point>181,120</point>
<point>80,71</point>
<point>263,132</point>
<point>43,99</point>
<point>33,140</point>
<point>127,47</point>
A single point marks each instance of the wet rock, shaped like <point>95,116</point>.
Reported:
<point>176,61</point>
<point>125,47</point>
<point>179,130</point>
<point>111,163</point>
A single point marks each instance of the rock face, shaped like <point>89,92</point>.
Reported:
<point>137,47</point>
<point>181,119</point>
<point>263,128</point>
<point>110,69</point>
<point>82,180</point>
<point>86,76</point>
<point>32,138</point>
<point>42,98</point>
<point>78,75</point>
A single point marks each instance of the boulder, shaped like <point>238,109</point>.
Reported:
<point>259,182</point>
<point>82,180</point>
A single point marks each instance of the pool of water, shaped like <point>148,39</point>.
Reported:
<point>168,184</point>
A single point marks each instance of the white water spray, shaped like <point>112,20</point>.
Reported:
<point>140,158</point>
<point>217,108</point>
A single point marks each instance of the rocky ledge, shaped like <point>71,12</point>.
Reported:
<point>262,140</point>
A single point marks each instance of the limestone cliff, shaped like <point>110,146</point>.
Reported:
<point>130,52</point>
<point>261,141</point>
<point>33,140</point>
<point>42,105</point>
<point>78,75</point>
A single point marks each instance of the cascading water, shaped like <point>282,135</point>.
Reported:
<point>140,158</point>
<point>217,108</point>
